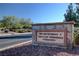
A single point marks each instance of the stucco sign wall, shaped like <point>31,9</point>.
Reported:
<point>53,34</point>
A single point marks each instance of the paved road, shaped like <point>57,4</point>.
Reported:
<point>9,41</point>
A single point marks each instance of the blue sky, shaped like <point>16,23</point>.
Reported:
<point>38,12</point>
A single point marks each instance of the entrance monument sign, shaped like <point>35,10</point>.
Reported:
<point>53,34</point>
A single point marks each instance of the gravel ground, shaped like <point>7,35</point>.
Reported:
<point>31,50</point>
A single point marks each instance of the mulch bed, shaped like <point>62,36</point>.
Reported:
<point>31,50</point>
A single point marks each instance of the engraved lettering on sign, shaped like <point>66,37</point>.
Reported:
<point>50,39</point>
<point>55,37</point>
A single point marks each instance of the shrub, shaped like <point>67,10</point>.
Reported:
<point>2,29</point>
<point>6,30</point>
<point>76,38</point>
<point>19,31</point>
<point>29,30</point>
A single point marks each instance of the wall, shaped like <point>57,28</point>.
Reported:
<point>67,28</point>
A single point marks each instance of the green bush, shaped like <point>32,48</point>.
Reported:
<point>19,31</point>
<point>29,30</point>
<point>76,38</point>
<point>22,30</point>
<point>14,30</point>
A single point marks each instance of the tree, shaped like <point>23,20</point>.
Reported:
<point>70,14</point>
<point>77,12</point>
<point>7,21</point>
<point>13,23</point>
<point>26,23</point>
